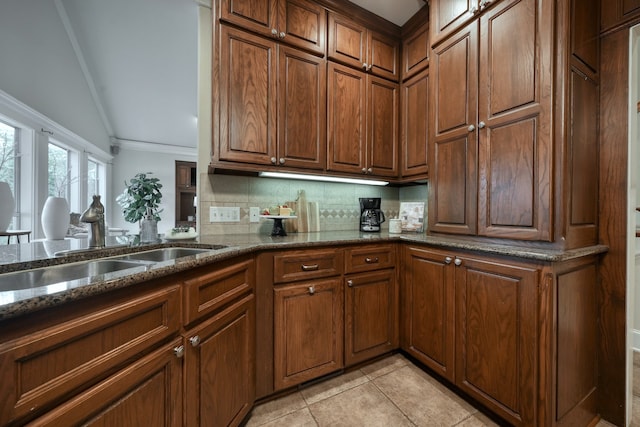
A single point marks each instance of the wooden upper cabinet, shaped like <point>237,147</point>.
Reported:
<point>415,51</point>
<point>356,46</point>
<point>346,104</point>
<point>362,122</point>
<point>302,105</point>
<point>514,115</point>
<point>495,129</point>
<point>414,126</point>
<point>447,16</point>
<point>618,12</point>
<point>272,103</point>
<point>453,137</point>
<point>301,23</point>
<point>585,32</point>
<point>248,106</point>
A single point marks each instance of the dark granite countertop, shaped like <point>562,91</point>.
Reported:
<point>26,256</point>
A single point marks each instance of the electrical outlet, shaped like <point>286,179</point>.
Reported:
<point>224,214</point>
<point>254,214</point>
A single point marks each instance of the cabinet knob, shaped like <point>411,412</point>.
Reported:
<point>310,267</point>
<point>350,283</point>
<point>312,290</point>
<point>282,160</point>
<point>448,260</point>
<point>471,128</point>
<point>473,10</point>
<point>371,260</point>
<point>364,170</point>
<point>195,340</point>
<point>274,32</point>
<point>458,262</point>
<point>282,34</point>
<point>481,125</point>
<point>370,170</point>
<point>274,160</point>
<point>369,67</point>
<point>365,66</point>
<point>179,351</point>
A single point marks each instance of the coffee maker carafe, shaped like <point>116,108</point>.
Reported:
<point>371,216</point>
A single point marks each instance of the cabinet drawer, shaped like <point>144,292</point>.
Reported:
<point>208,292</point>
<point>304,265</point>
<point>369,258</point>
<point>43,367</point>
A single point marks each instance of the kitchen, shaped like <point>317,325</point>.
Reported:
<point>612,314</point>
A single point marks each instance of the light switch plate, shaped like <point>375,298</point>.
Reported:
<point>224,214</point>
<point>254,214</point>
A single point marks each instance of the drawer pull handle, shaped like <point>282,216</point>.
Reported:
<point>458,262</point>
<point>350,283</point>
<point>179,351</point>
<point>371,260</point>
<point>311,267</point>
<point>195,340</point>
<point>448,260</point>
<point>312,290</point>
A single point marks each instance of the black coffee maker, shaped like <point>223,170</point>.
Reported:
<point>371,216</point>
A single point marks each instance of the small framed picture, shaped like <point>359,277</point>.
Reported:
<point>412,216</point>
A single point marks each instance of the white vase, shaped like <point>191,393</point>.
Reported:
<point>7,206</point>
<point>55,218</point>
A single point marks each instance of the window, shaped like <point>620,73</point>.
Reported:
<point>59,171</point>
<point>9,162</point>
<point>95,179</point>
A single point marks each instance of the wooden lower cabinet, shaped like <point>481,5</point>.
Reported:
<point>220,367</point>
<point>496,336</point>
<point>308,331</point>
<point>428,309</point>
<point>147,392</point>
<point>371,315</point>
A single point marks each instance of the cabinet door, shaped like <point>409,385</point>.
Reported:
<point>184,174</point>
<point>347,41</point>
<point>147,392</point>
<point>446,16</point>
<point>302,107</point>
<point>496,344</point>
<point>346,94</point>
<point>371,315</point>
<point>453,138</point>
<point>247,98</point>
<point>260,16</point>
<point>308,331</point>
<point>414,128</point>
<point>428,309</point>
<point>304,25</point>
<point>514,108</point>
<point>220,367</point>
<point>415,51</point>
<point>382,123</point>
<point>383,56</point>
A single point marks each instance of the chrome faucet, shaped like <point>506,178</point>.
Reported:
<point>94,215</point>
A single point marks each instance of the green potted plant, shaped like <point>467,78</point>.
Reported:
<point>141,194</point>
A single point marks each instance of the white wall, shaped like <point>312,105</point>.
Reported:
<point>40,69</point>
<point>130,161</point>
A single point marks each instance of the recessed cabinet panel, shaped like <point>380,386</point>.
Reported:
<point>305,25</point>
<point>382,99</point>
<point>384,55</point>
<point>446,16</point>
<point>414,130</point>
<point>302,109</point>
<point>496,337</point>
<point>247,97</point>
<point>346,119</point>
<point>511,60</point>
<point>347,41</point>
<point>415,52</point>
<point>256,15</point>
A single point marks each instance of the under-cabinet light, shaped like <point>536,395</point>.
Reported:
<point>321,178</point>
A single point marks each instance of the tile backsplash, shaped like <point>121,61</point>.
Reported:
<point>339,207</point>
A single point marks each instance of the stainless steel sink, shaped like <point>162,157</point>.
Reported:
<point>164,254</point>
<point>63,273</point>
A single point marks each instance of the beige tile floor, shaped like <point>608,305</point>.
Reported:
<point>389,392</point>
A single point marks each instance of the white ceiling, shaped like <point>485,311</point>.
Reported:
<point>141,61</point>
